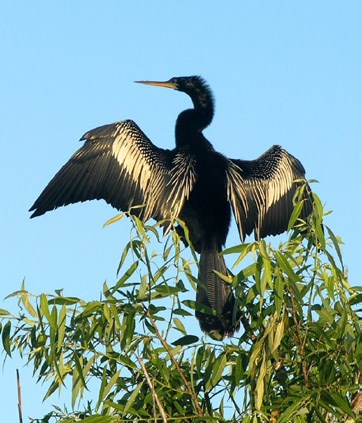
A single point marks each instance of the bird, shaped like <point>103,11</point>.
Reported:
<point>192,182</point>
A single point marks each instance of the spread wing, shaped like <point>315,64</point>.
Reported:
<point>120,165</point>
<point>261,192</point>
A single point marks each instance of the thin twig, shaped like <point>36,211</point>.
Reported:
<point>186,382</point>
<point>154,393</point>
<point>301,342</point>
<point>20,404</point>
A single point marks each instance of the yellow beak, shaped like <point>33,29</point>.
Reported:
<point>166,84</point>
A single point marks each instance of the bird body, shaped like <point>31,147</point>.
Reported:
<point>192,182</point>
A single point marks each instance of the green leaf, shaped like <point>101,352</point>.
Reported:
<point>65,301</point>
<point>87,368</point>
<point>336,245</point>
<point>115,315</point>
<point>181,312</point>
<point>199,307</point>
<point>102,387</point>
<point>55,385</point>
<point>127,362</point>
<point>335,399</point>
<point>132,397</point>
<point>286,267</point>
<point>320,235</point>
<point>91,308</point>
<point>186,340</point>
<point>238,372</point>
<point>278,293</point>
<point>260,382</point>
<point>318,206</point>
<point>99,418</point>
<point>44,308</point>
<point>124,255</point>
<point>278,336</point>
<point>141,229</point>
<point>16,294</point>
<point>6,337</point>
<point>243,250</point>
<point>218,368</point>
<point>110,385</point>
<point>27,304</point>
<point>246,273</point>
<point>125,277</point>
<point>61,327</point>
<point>355,299</point>
<point>165,290</point>
<point>290,411</point>
<point>78,383</point>
<point>114,219</point>
<point>295,215</point>
<point>179,325</point>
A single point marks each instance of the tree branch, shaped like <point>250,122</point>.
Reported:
<point>175,362</point>
<point>154,393</point>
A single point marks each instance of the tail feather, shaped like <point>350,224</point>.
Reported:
<point>213,292</point>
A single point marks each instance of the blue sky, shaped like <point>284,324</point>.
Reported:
<point>282,72</point>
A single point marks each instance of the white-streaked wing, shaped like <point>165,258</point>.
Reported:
<point>183,177</point>
<point>119,164</point>
<point>261,192</point>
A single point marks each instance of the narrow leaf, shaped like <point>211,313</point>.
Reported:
<point>186,340</point>
<point>286,267</point>
<point>295,214</point>
<point>114,219</point>
<point>110,384</point>
<point>132,397</point>
<point>217,371</point>
<point>125,277</point>
<point>6,337</point>
<point>61,327</point>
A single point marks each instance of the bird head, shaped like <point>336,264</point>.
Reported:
<point>191,120</point>
<point>186,84</point>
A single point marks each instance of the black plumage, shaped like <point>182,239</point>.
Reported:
<point>193,182</point>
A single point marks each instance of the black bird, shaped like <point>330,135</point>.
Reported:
<point>193,182</point>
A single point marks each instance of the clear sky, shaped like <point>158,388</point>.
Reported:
<point>282,72</point>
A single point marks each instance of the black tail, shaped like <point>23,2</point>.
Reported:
<point>213,292</point>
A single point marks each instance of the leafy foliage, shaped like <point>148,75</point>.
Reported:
<point>135,356</point>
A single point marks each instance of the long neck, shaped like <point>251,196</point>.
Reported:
<point>190,123</point>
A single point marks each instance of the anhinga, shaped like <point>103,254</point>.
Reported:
<point>193,182</point>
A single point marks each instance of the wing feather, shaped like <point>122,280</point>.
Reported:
<point>119,164</point>
<point>261,192</point>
